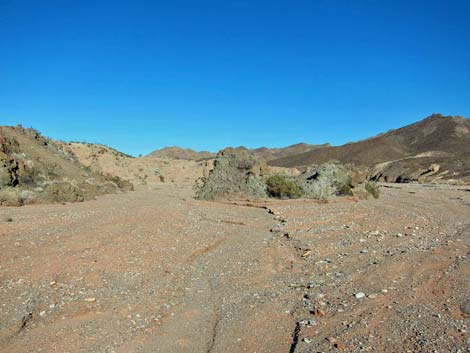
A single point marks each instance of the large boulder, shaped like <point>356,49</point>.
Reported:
<point>235,174</point>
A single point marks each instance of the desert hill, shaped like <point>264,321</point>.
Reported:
<point>269,154</point>
<point>34,168</point>
<point>435,148</point>
<point>175,152</point>
<point>265,153</point>
<point>148,170</point>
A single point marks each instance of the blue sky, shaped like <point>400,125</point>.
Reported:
<point>140,75</point>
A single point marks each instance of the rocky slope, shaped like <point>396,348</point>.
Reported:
<point>436,148</point>
<point>36,169</point>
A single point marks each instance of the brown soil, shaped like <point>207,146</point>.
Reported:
<point>157,271</point>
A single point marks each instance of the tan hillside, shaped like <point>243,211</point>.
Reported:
<point>146,170</point>
<point>34,168</point>
<point>140,171</point>
<point>180,153</point>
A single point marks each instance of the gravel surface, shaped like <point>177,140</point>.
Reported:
<point>157,271</point>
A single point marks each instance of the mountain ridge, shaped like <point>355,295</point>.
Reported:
<point>437,139</point>
<point>266,153</point>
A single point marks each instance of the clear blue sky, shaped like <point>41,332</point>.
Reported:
<point>140,75</point>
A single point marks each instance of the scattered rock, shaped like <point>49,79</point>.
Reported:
<point>307,253</point>
<point>339,346</point>
<point>307,322</point>
<point>318,312</point>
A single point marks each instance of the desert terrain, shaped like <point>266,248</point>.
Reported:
<point>155,270</point>
<point>235,253</point>
<point>235,176</point>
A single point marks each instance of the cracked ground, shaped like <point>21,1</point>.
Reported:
<point>157,271</point>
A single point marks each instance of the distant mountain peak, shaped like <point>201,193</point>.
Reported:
<point>435,139</point>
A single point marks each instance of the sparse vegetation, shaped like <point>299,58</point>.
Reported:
<point>63,192</point>
<point>236,173</point>
<point>280,186</point>
<point>9,196</point>
<point>34,168</point>
<point>373,189</point>
<point>27,196</point>
<point>121,183</point>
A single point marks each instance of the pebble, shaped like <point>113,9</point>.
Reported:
<point>90,300</point>
<point>42,313</point>
<point>318,312</point>
<point>307,322</point>
<point>359,295</point>
<point>307,340</point>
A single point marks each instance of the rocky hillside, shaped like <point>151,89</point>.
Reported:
<point>436,148</point>
<point>34,168</point>
<point>175,152</point>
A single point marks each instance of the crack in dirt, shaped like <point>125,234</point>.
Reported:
<point>214,334</point>
<point>295,338</point>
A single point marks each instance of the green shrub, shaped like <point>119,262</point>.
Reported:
<point>373,189</point>
<point>281,187</point>
<point>10,196</point>
<point>27,197</point>
<point>236,173</point>
<point>28,176</point>
<point>120,182</point>
<point>62,192</point>
<point>256,186</point>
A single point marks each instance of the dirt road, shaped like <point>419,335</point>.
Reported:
<point>157,271</point>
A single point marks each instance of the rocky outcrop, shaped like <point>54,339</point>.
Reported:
<point>34,168</point>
